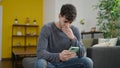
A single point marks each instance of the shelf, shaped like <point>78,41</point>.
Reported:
<point>94,35</point>
<point>18,35</point>
<point>24,35</point>
<point>24,39</point>
<point>24,46</point>
<point>31,35</point>
<point>31,25</point>
<point>91,32</point>
<point>18,46</point>
<point>24,52</point>
<point>23,25</point>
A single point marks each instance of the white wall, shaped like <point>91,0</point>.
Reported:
<point>84,10</point>
<point>0,31</point>
<point>48,11</point>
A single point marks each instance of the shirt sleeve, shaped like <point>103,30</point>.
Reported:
<point>78,42</point>
<point>42,52</point>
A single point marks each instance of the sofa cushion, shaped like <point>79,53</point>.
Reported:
<point>28,62</point>
<point>87,42</point>
<point>108,41</point>
<point>101,45</point>
<point>95,41</point>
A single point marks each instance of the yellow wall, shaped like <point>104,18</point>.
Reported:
<point>18,9</point>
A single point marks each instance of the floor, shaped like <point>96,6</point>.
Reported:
<point>5,64</point>
<point>8,64</point>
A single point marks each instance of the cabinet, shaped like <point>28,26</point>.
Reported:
<point>93,35</point>
<point>24,41</point>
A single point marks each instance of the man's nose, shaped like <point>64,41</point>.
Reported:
<point>67,24</point>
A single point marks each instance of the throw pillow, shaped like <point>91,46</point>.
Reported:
<point>106,42</point>
<point>101,45</point>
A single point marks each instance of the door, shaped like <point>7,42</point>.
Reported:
<point>0,31</point>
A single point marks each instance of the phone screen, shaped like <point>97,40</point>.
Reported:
<point>73,49</point>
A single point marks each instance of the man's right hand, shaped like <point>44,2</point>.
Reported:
<point>66,55</point>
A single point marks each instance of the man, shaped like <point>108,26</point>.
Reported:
<point>55,40</point>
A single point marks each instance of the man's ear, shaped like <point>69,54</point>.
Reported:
<point>59,15</point>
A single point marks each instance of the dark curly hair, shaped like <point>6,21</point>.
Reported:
<point>69,11</point>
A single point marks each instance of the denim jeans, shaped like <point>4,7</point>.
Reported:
<point>83,62</point>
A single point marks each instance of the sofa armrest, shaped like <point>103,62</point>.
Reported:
<point>105,57</point>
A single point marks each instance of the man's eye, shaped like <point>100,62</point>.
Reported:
<point>70,22</point>
<point>66,21</point>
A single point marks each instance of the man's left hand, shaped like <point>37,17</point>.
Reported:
<point>68,31</point>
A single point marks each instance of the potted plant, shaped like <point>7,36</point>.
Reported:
<point>82,23</point>
<point>109,17</point>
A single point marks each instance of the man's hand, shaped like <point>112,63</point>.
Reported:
<point>68,31</point>
<point>66,55</point>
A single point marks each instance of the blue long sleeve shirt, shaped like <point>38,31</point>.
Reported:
<point>52,41</point>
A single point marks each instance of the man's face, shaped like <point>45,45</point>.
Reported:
<point>64,22</point>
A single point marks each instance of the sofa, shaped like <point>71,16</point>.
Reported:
<point>28,62</point>
<point>105,57</point>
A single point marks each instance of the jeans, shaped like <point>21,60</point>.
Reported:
<point>83,62</point>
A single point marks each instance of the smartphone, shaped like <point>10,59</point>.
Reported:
<point>73,49</point>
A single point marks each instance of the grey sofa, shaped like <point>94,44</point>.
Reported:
<point>105,57</point>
